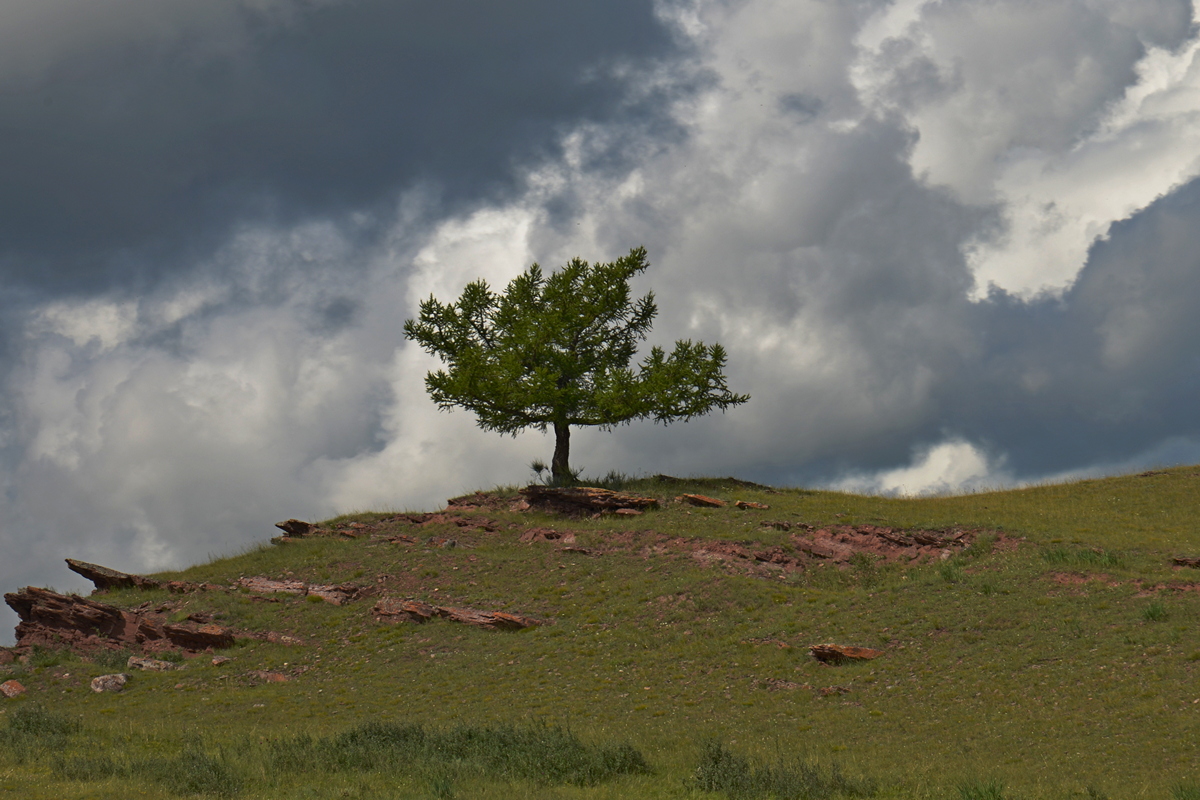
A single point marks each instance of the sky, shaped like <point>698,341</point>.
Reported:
<point>948,245</point>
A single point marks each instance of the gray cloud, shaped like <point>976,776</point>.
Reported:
<point>209,279</point>
<point>134,145</point>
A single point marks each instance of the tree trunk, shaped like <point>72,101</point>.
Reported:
<point>560,471</point>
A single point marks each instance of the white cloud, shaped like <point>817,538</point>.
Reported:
<point>953,466</point>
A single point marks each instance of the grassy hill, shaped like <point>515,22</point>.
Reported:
<point>1057,656</point>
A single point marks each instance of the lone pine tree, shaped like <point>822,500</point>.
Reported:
<point>555,352</point>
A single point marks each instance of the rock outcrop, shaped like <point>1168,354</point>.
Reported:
<point>50,619</point>
<point>583,499</point>
<point>337,595</point>
<point>396,610</point>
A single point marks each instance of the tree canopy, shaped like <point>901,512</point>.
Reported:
<point>552,352</point>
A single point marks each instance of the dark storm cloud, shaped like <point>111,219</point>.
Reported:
<point>125,157</point>
<point>1104,372</point>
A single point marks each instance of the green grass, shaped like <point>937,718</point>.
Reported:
<point>1056,657</point>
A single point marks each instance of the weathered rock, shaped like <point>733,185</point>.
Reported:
<point>7,656</point>
<point>583,499</point>
<point>701,500</point>
<point>337,595</point>
<point>1187,561</point>
<point>416,611</point>
<point>219,660</point>
<point>53,620</point>
<point>110,683</point>
<point>149,664</point>
<point>839,543</point>
<point>745,504</point>
<point>105,578</point>
<point>547,535</point>
<point>826,547</point>
<point>296,527</point>
<point>11,689</point>
<point>269,677</point>
<point>837,653</point>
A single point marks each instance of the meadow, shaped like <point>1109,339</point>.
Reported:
<point>1056,656</point>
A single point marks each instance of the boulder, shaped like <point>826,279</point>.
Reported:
<point>296,527</point>
<point>110,683</point>
<point>11,689</point>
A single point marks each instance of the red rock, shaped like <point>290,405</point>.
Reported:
<point>54,620</point>
<point>583,499</point>
<point>336,595</point>
<point>11,689</point>
<point>702,500</point>
<point>745,504</point>
<point>7,656</point>
<point>417,611</point>
<point>105,578</point>
<point>837,653</point>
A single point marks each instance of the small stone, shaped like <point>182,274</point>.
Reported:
<point>745,504</point>
<point>11,689</point>
<point>110,683</point>
<point>219,660</point>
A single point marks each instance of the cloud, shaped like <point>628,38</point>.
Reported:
<point>952,466</point>
<point>209,280</point>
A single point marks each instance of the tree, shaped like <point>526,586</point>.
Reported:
<point>555,352</point>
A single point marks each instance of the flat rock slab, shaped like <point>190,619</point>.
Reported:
<point>11,689</point>
<point>839,653</point>
<point>105,578</point>
<point>337,595</point>
<point>417,611</point>
<point>701,500</point>
<point>149,664</point>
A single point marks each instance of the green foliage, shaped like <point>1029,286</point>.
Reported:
<point>556,352</point>
<point>1156,611</point>
<point>722,770</point>
<point>660,650</point>
<point>981,790</point>
<point>1186,791</point>
<point>538,753</point>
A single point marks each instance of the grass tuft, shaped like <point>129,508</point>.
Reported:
<point>721,770</point>
<point>1156,611</point>
<point>981,790</point>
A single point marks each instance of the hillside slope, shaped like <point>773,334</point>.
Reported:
<point>1035,643</point>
